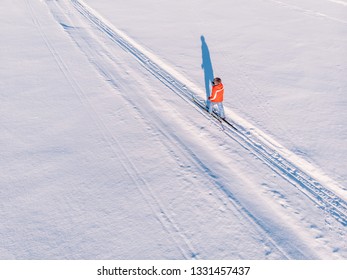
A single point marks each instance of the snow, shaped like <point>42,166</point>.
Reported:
<point>105,156</point>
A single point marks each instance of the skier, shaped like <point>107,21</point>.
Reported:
<point>216,97</point>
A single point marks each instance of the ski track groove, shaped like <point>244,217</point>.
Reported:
<point>325,199</point>
<point>154,203</point>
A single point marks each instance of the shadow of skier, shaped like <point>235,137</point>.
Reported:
<point>207,67</point>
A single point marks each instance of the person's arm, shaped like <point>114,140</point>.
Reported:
<point>213,93</point>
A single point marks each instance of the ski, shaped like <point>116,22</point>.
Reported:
<point>214,114</point>
<point>229,123</point>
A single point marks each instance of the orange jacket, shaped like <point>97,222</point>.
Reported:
<point>217,94</point>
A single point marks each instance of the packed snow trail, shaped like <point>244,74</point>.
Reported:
<point>270,152</point>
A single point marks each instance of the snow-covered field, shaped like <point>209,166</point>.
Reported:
<point>105,155</point>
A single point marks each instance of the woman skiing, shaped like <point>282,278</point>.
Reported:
<point>217,96</point>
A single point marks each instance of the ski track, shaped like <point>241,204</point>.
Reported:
<point>259,145</point>
<point>325,199</point>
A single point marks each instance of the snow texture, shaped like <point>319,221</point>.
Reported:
<point>106,152</point>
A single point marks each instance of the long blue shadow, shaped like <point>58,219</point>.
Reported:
<point>206,66</point>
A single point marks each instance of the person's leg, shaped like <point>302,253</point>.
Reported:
<point>221,110</point>
<point>210,107</point>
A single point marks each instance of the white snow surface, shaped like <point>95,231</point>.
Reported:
<point>105,155</point>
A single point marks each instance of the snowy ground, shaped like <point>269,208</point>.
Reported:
<point>104,155</point>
